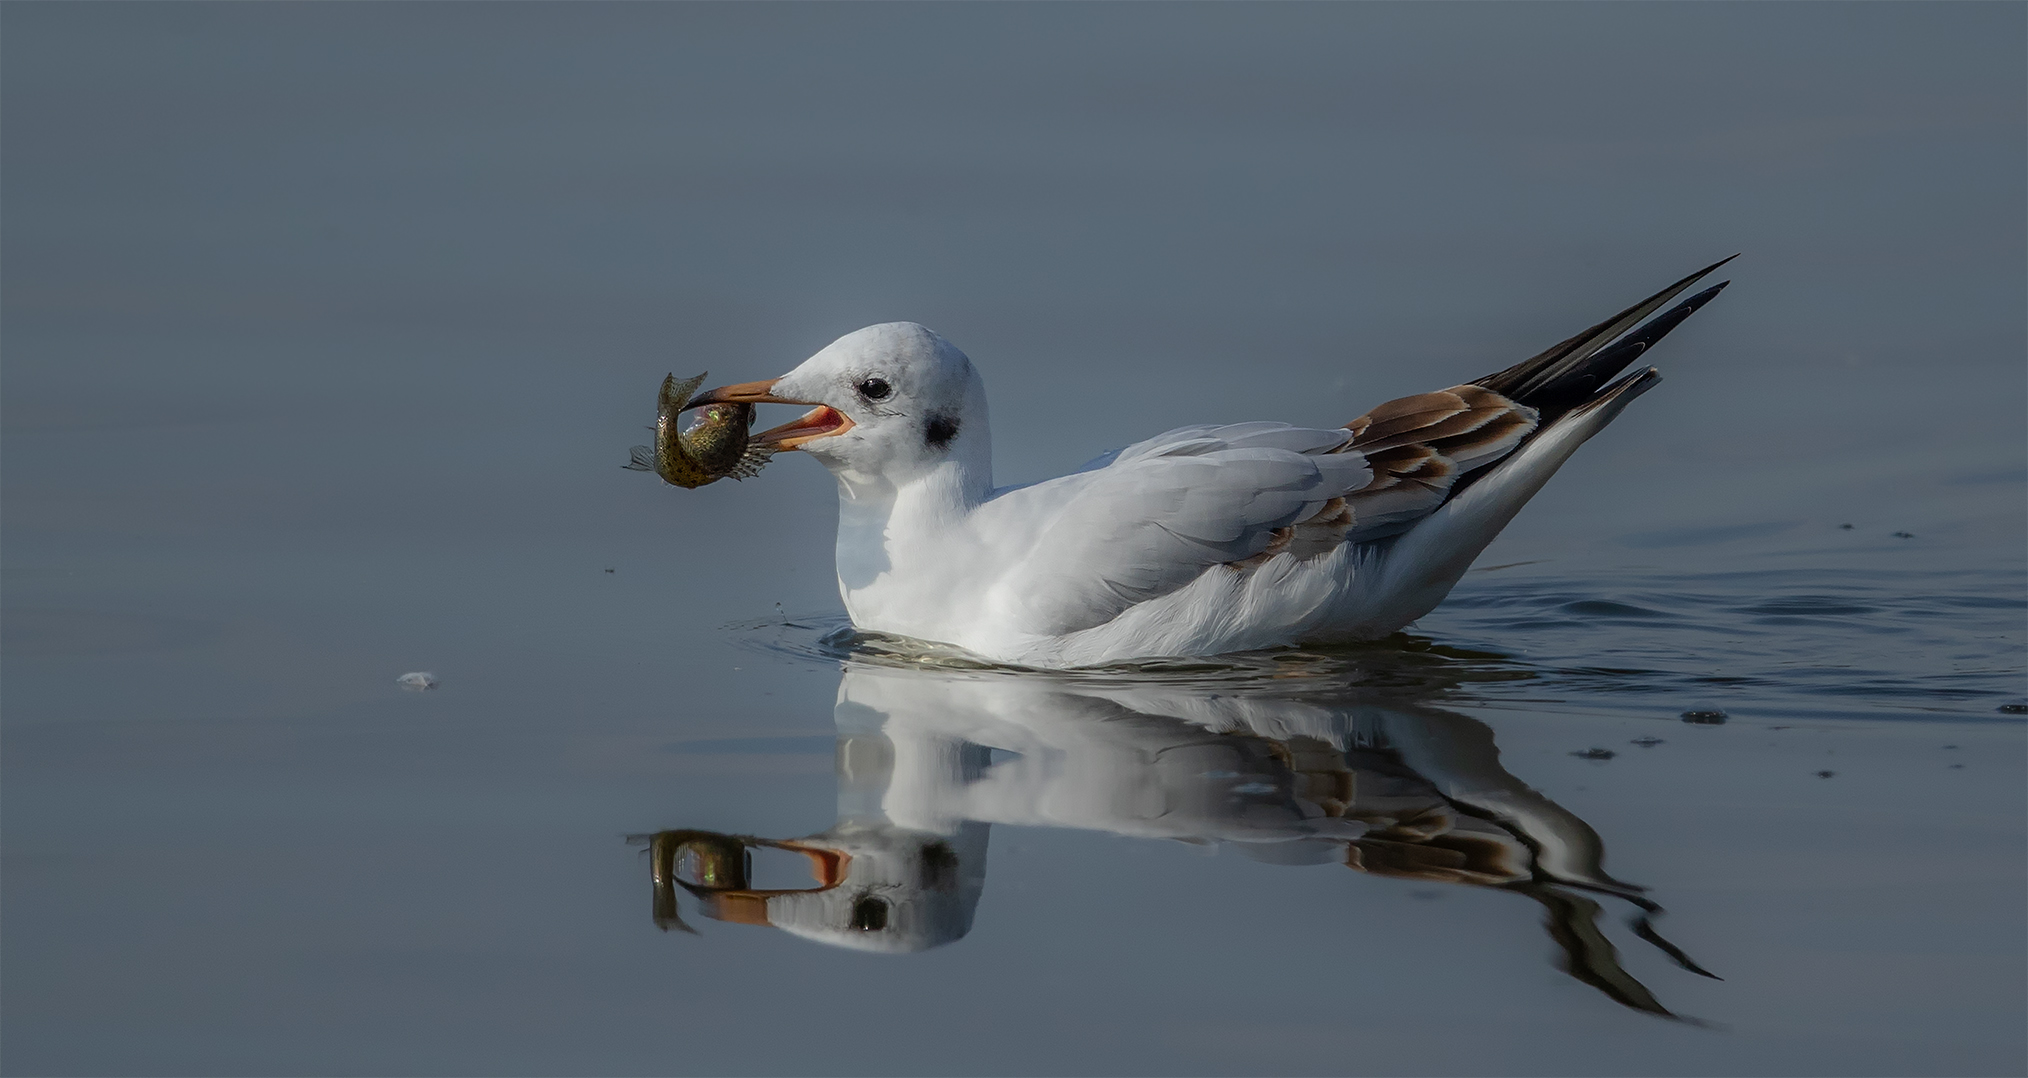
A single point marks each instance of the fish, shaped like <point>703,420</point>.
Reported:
<point>714,447</point>
<point>716,861</point>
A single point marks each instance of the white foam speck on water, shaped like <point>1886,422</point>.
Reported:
<point>417,681</point>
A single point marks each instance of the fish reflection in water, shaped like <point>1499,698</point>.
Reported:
<point>928,761</point>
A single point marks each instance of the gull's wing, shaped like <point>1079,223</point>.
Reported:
<point>1450,469</point>
<point>1567,374</point>
<point>1420,446</point>
<point>1161,513</point>
<point>1426,448</point>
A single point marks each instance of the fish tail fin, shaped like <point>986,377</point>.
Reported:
<point>676,394</point>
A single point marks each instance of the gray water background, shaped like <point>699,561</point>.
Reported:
<point>326,329</point>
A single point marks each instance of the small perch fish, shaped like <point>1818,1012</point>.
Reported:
<point>714,447</point>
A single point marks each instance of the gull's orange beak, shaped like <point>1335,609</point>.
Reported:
<point>743,393</point>
<point>823,421</point>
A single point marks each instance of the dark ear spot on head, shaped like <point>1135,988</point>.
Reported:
<point>939,866</point>
<point>941,430</point>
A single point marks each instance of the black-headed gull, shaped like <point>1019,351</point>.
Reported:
<point>1201,541</point>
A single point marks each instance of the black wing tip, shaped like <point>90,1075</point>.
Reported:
<point>1685,282</point>
<point>1526,378</point>
<point>1704,297</point>
<point>1553,394</point>
<point>1701,274</point>
<point>1707,270</point>
<point>1615,396</point>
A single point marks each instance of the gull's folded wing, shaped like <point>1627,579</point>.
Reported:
<point>1563,376</point>
<point>1427,448</point>
<point>1450,469</point>
<point>1164,511</point>
<point>1419,447</point>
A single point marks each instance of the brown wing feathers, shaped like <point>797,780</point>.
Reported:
<point>1422,447</point>
<point>1418,447</point>
<point>1425,448</point>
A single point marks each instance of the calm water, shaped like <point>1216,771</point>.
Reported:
<point>327,328</point>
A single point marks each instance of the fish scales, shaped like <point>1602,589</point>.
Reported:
<point>716,445</point>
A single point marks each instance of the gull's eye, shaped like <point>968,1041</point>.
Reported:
<point>875,388</point>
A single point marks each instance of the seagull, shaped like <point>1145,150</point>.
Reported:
<point>1204,540</point>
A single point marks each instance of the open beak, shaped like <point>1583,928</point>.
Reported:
<point>822,421</point>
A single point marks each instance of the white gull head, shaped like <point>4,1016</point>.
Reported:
<point>914,407</point>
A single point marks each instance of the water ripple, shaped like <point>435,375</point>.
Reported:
<point>1792,643</point>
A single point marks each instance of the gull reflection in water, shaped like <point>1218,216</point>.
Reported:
<point>929,760</point>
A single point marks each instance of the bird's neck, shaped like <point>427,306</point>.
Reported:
<point>898,541</point>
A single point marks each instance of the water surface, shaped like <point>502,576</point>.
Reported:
<point>326,329</point>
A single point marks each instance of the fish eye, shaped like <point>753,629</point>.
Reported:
<point>875,388</point>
